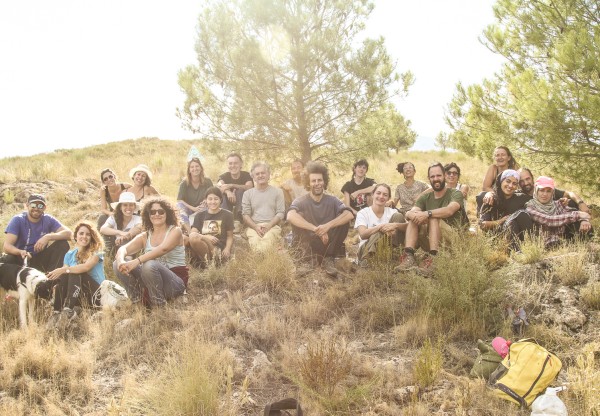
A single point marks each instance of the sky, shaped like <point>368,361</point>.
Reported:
<point>75,73</point>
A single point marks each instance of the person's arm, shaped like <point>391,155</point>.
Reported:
<point>488,180</point>
<point>89,264</point>
<point>465,190</point>
<point>103,203</point>
<point>367,190</point>
<point>62,233</point>
<point>108,229</point>
<point>581,206</point>
<point>150,190</point>
<point>556,220</point>
<point>365,232</point>
<point>9,246</point>
<point>297,220</point>
<point>345,217</point>
<point>347,197</point>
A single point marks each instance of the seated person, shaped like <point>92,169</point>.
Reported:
<point>566,197</point>
<point>452,176</point>
<point>263,208</point>
<point>503,159</point>
<point>142,180</point>
<point>123,225</point>
<point>378,221</point>
<point>407,192</point>
<point>192,189</point>
<point>212,231</point>
<point>161,268</point>
<point>552,218</point>
<point>233,184</point>
<point>431,220</point>
<point>36,237</point>
<point>294,188</point>
<point>507,213</point>
<point>109,193</point>
<point>357,191</point>
<point>81,274</point>
<point>320,222</point>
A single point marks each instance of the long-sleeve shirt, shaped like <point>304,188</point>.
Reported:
<point>553,226</point>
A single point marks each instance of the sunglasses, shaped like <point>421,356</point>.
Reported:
<point>37,205</point>
<point>157,212</point>
<point>108,178</point>
<point>452,173</point>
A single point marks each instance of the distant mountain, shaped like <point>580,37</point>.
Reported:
<point>424,143</point>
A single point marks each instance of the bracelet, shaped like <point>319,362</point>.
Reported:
<point>140,260</point>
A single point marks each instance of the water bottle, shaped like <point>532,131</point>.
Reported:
<point>548,404</point>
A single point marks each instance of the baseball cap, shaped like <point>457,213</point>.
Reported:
<point>36,198</point>
<point>545,182</point>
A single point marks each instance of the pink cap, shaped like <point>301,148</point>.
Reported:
<point>545,182</point>
<point>501,346</point>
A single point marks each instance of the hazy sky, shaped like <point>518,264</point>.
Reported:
<point>77,73</point>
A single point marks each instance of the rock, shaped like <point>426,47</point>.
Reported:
<point>573,318</point>
<point>405,394</point>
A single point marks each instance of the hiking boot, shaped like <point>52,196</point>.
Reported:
<point>427,267</point>
<point>407,262</point>
<point>329,266</point>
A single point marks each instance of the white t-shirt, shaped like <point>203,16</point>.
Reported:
<point>367,217</point>
<point>135,220</point>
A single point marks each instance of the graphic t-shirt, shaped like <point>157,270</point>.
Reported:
<point>28,233</point>
<point>215,224</point>
<point>361,200</point>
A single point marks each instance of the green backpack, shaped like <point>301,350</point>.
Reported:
<point>525,372</point>
<point>486,362</point>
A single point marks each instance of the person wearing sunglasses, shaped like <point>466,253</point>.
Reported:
<point>160,269</point>
<point>110,190</point>
<point>37,237</point>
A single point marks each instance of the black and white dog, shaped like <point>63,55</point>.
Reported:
<point>26,284</point>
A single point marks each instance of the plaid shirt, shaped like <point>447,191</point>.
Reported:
<point>553,226</point>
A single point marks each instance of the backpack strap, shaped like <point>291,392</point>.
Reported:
<point>275,409</point>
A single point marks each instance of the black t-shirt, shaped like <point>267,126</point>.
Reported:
<point>244,177</point>
<point>361,201</point>
<point>510,206</point>
<point>215,224</point>
<point>559,193</point>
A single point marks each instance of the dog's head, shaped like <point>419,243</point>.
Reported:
<point>44,289</point>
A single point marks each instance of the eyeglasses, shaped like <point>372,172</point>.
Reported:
<point>37,205</point>
<point>157,212</point>
<point>452,173</point>
<point>108,178</point>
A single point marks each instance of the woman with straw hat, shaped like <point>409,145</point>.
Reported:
<point>142,179</point>
<point>123,225</point>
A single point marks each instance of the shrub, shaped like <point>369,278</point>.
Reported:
<point>591,295</point>
<point>532,249</point>
<point>570,269</point>
<point>324,366</point>
<point>428,363</point>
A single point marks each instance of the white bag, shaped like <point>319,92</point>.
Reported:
<point>109,295</point>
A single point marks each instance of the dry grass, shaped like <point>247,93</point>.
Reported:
<point>254,333</point>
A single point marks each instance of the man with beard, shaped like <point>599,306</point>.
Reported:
<point>320,222</point>
<point>568,198</point>
<point>294,188</point>
<point>431,220</point>
<point>37,237</point>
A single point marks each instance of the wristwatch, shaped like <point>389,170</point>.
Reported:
<point>429,214</point>
<point>68,271</point>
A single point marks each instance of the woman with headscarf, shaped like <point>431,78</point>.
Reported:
<point>506,213</point>
<point>503,159</point>
<point>552,217</point>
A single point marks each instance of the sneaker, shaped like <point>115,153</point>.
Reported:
<point>65,317</point>
<point>407,262</point>
<point>53,321</point>
<point>427,267</point>
<point>329,266</point>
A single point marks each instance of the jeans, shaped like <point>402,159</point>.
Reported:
<point>162,284</point>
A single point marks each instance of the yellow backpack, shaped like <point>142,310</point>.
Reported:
<point>525,372</point>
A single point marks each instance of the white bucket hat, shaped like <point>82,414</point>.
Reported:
<point>126,197</point>
<point>141,168</point>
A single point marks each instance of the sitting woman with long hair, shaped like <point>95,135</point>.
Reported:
<point>110,191</point>
<point>161,268</point>
<point>123,225</point>
<point>506,214</point>
<point>191,198</point>
<point>503,160</point>
<point>81,274</point>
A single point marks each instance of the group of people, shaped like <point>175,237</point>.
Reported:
<point>148,236</point>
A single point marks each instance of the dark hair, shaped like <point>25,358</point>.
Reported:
<point>235,154</point>
<point>95,245</point>
<point>360,162</point>
<point>164,204</point>
<point>385,185</point>
<point>189,175</point>
<point>317,167</point>
<point>106,170</point>
<point>118,215</point>
<point>400,166</point>
<point>512,163</point>
<point>528,170</point>
<point>297,161</point>
<point>213,190</point>
<point>451,165</point>
<point>433,165</point>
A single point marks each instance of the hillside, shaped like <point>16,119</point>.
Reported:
<point>370,342</point>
